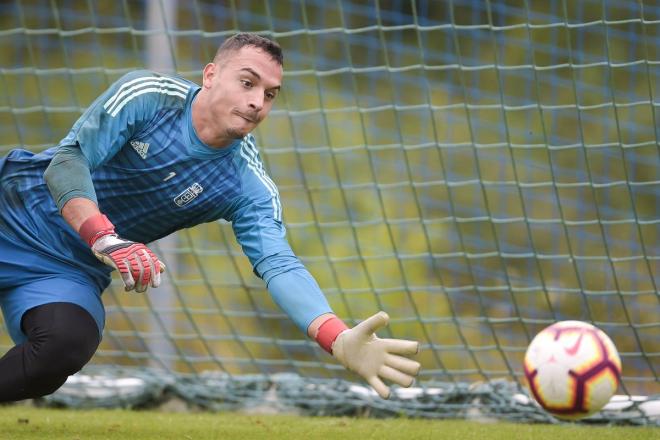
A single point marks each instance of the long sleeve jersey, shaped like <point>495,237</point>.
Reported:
<point>152,176</point>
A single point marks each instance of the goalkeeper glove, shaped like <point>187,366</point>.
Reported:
<point>138,266</point>
<point>361,351</point>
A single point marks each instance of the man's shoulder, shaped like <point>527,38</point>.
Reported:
<point>249,153</point>
<point>148,89</point>
<point>142,75</point>
<point>253,171</point>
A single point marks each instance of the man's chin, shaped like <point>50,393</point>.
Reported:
<point>234,133</point>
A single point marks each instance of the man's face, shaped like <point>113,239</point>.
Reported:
<point>241,88</point>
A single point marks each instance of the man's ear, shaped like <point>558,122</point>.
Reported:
<point>210,70</point>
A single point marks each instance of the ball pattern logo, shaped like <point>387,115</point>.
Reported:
<point>572,369</point>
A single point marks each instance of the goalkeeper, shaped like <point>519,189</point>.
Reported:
<point>152,155</point>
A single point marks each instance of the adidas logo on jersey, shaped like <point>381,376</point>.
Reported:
<point>140,148</point>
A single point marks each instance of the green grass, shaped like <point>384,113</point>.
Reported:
<point>24,422</point>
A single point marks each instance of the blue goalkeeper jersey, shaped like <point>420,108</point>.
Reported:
<point>152,176</point>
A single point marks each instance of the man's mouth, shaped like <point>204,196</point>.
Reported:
<point>247,118</point>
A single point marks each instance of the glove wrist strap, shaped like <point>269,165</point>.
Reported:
<point>96,227</point>
<point>328,332</point>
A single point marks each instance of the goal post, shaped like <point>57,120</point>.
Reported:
<point>476,169</point>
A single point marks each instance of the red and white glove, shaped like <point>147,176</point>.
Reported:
<point>361,351</point>
<point>138,266</point>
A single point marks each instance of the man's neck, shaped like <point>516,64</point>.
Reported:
<point>201,126</point>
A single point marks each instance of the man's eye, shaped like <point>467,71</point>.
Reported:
<point>270,95</point>
<point>246,83</point>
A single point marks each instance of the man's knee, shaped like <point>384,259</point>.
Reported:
<point>64,352</point>
<point>62,339</point>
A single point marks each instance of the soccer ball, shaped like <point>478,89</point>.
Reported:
<point>572,369</point>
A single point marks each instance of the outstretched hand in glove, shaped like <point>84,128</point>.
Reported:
<point>361,351</point>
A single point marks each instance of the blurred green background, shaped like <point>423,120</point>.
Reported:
<point>477,169</point>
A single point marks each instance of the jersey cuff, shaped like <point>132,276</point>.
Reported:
<point>328,332</point>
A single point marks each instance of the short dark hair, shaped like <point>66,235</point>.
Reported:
<point>242,39</point>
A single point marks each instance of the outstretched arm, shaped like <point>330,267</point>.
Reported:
<point>258,226</point>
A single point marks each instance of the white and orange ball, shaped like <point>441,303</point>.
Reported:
<point>572,369</point>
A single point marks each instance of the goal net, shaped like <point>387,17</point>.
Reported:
<point>477,169</point>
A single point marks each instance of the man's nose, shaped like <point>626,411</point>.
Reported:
<point>256,101</point>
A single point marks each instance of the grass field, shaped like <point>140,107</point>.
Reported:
<point>24,422</point>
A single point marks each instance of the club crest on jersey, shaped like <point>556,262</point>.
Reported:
<point>140,148</point>
<point>189,194</point>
